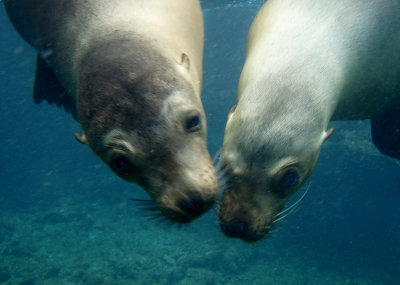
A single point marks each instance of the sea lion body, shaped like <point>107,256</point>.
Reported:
<point>308,62</point>
<point>130,72</point>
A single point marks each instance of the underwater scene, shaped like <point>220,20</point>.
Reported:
<point>66,218</point>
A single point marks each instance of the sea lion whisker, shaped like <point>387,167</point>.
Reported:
<point>154,216</point>
<point>222,167</point>
<point>151,216</point>
<point>223,175</point>
<point>142,203</point>
<point>149,211</point>
<point>222,182</point>
<point>142,200</point>
<point>278,219</point>
<point>273,229</point>
<point>286,212</point>
<point>146,205</point>
<point>216,159</point>
<point>149,208</point>
<point>160,219</point>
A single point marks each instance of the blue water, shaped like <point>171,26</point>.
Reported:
<point>66,219</point>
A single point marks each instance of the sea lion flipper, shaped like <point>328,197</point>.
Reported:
<point>49,88</point>
<point>385,132</point>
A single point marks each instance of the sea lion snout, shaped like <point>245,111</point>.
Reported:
<point>244,219</point>
<point>253,201</point>
<point>187,206</point>
<point>194,204</point>
<point>240,214</point>
<point>240,228</point>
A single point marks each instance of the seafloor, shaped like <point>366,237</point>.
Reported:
<point>66,219</point>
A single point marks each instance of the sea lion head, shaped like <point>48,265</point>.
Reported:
<point>268,154</point>
<point>142,116</point>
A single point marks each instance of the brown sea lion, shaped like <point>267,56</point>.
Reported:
<point>308,62</point>
<point>130,72</point>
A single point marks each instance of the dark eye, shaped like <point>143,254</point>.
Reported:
<point>121,166</point>
<point>193,124</point>
<point>289,179</point>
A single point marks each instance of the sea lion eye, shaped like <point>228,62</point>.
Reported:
<point>289,179</point>
<point>193,124</point>
<point>121,166</point>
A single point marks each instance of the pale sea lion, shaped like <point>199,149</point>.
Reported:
<point>130,72</point>
<point>308,62</point>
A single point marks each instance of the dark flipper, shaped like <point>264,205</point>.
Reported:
<point>386,132</point>
<point>48,87</point>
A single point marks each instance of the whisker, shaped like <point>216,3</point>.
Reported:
<point>277,219</point>
<point>150,211</point>
<point>159,218</point>
<point>147,201</point>
<point>152,216</point>
<point>222,183</point>
<point>286,212</point>
<point>222,173</point>
<point>273,230</point>
<point>216,157</point>
<point>219,164</point>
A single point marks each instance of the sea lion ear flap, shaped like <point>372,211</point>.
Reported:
<point>81,138</point>
<point>327,134</point>
<point>185,62</point>
<point>231,112</point>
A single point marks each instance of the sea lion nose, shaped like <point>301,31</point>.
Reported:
<point>194,204</point>
<point>239,228</point>
<point>236,228</point>
<point>188,207</point>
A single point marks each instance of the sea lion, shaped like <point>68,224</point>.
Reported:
<point>307,62</point>
<point>130,72</point>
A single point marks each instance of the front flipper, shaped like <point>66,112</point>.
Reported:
<point>49,88</point>
<point>386,132</point>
